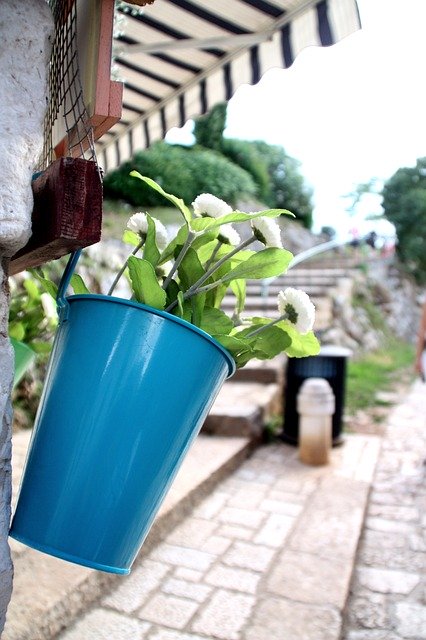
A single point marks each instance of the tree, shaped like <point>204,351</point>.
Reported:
<point>208,129</point>
<point>288,189</point>
<point>404,204</point>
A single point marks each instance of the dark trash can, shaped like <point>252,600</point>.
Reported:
<point>330,364</point>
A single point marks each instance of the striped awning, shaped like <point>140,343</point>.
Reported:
<point>181,57</point>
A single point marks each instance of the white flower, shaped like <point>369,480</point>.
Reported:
<point>298,309</point>
<point>49,307</point>
<point>138,223</point>
<point>228,235</point>
<point>161,235</point>
<point>268,232</point>
<point>208,205</point>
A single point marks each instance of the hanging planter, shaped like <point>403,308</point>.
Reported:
<point>129,385</point>
<point>127,390</point>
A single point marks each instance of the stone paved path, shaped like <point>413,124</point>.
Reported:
<point>267,556</point>
<point>388,592</point>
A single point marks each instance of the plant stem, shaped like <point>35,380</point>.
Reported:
<point>123,268</point>
<point>219,263</point>
<point>187,294</point>
<point>214,254</point>
<point>179,259</point>
<point>265,326</point>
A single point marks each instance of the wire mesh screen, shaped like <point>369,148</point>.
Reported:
<point>67,117</point>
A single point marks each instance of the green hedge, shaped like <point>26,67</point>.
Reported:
<point>184,171</point>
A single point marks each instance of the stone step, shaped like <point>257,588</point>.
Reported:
<point>270,302</point>
<point>262,371</point>
<point>243,408</point>
<point>273,289</point>
<point>49,593</point>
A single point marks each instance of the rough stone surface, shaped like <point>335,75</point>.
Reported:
<point>388,588</point>
<point>278,619</point>
<point>24,35</point>
<point>225,615</point>
<point>105,625</point>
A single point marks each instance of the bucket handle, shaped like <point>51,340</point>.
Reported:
<point>61,301</point>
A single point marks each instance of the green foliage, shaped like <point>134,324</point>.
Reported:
<point>288,189</point>
<point>28,322</point>
<point>246,155</point>
<point>376,371</point>
<point>186,172</point>
<point>404,204</point>
<point>208,129</point>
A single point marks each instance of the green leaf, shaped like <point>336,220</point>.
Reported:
<point>184,308</point>
<point>151,252</point>
<point>130,237</point>
<point>172,292</point>
<point>40,347</point>
<point>17,331</point>
<point>267,343</point>
<point>145,284</point>
<point>199,224</point>
<point>178,240</point>
<point>239,289</point>
<point>263,264</point>
<point>301,345</point>
<point>197,305</point>
<point>31,288</point>
<point>190,269</point>
<point>178,202</point>
<point>216,322</point>
<point>215,296</point>
<point>78,285</point>
<point>48,285</point>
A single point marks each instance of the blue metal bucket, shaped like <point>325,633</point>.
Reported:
<point>127,390</point>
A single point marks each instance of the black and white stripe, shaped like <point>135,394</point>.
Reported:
<point>169,80</point>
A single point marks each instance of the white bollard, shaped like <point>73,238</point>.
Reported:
<point>315,405</point>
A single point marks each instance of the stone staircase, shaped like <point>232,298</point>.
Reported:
<point>49,593</point>
<point>254,395</point>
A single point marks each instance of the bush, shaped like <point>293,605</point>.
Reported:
<point>184,171</point>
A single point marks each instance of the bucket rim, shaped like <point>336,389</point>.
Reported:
<point>163,314</point>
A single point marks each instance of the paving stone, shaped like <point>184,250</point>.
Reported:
<point>183,557</point>
<point>368,611</point>
<point>216,545</point>
<point>101,624</point>
<point>393,512</point>
<point>280,619</point>
<point>248,556</point>
<point>193,532</point>
<point>280,506</point>
<point>169,611</point>
<point>168,634</point>
<point>246,498</point>
<point>225,615</point>
<point>330,524</point>
<point>244,517</point>
<point>387,580</point>
<point>185,589</point>
<point>410,619</point>
<point>235,532</point>
<point>233,578</point>
<point>401,558</point>
<point>286,497</point>
<point>211,505</point>
<point>388,526</point>
<point>311,579</point>
<point>371,635</point>
<point>184,573</point>
<point>275,530</point>
<point>137,587</point>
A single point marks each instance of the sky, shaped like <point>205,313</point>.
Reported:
<point>349,113</point>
